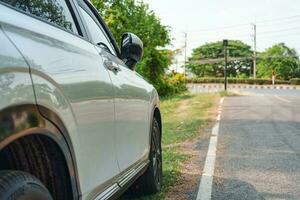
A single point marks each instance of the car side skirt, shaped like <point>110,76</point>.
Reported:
<point>124,181</point>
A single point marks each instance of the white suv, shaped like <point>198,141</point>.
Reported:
<point>76,120</point>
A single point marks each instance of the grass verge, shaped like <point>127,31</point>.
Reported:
<point>183,116</point>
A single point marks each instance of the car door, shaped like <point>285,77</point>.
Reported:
<point>132,96</point>
<point>70,80</point>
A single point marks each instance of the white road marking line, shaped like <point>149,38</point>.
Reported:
<point>219,114</point>
<point>282,99</point>
<point>221,100</point>
<point>205,187</point>
<point>218,118</point>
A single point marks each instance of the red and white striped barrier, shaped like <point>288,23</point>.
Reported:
<point>242,86</point>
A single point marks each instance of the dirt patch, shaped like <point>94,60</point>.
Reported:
<point>187,185</point>
<point>189,174</point>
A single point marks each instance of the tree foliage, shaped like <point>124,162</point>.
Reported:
<point>280,58</point>
<point>130,16</point>
<point>213,51</point>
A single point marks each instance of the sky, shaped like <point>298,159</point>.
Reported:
<point>211,20</point>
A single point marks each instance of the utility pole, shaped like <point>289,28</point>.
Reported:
<point>185,61</point>
<point>254,52</point>
<point>225,44</point>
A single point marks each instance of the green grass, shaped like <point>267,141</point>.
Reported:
<point>182,117</point>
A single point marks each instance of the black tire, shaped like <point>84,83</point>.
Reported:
<point>17,185</point>
<point>151,181</point>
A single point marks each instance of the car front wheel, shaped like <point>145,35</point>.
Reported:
<point>17,185</point>
<point>151,181</point>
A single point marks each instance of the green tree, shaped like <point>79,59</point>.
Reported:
<point>130,16</point>
<point>282,59</point>
<point>207,60</point>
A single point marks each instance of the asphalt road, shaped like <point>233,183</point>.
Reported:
<point>258,154</point>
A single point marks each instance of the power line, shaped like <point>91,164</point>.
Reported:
<point>208,31</point>
<point>219,28</point>
<point>247,35</point>
<point>278,19</point>
<point>281,30</point>
<point>271,36</point>
<point>216,37</point>
<point>261,34</point>
<point>294,17</point>
<point>291,21</point>
<point>221,35</point>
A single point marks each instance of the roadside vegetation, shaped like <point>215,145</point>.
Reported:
<point>280,60</point>
<point>207,60</point>
<point>136,17</point>
<point>183,118</point>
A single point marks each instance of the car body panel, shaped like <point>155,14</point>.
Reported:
<point>132,97</point>
<point>15,82</point>
<point>69,79</point>
<point>19,115</point>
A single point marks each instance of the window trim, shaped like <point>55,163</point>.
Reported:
<point>70,5</point>
<point>93,17</point>
<point>85,4</point>
<point>77,19</point>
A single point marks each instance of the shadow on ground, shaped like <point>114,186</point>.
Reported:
<point>233,189</point>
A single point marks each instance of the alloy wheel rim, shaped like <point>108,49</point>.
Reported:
<point>156,158</point>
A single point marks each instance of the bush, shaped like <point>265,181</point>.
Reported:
<point>206,80</point>
<point>282,82</point>
<point>178,81</point>
<point>295,81</point>
<point>171,84</point>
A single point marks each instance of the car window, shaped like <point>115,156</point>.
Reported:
<point>53,11</point>
<point>96,32</point>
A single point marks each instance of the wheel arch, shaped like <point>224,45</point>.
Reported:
<point>155,113</point>
<point>157,116</point>
<point>24,120</point>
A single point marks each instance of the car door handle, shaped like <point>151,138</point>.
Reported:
<point>111,66</point>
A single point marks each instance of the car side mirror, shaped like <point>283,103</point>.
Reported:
<point>131,49</point>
